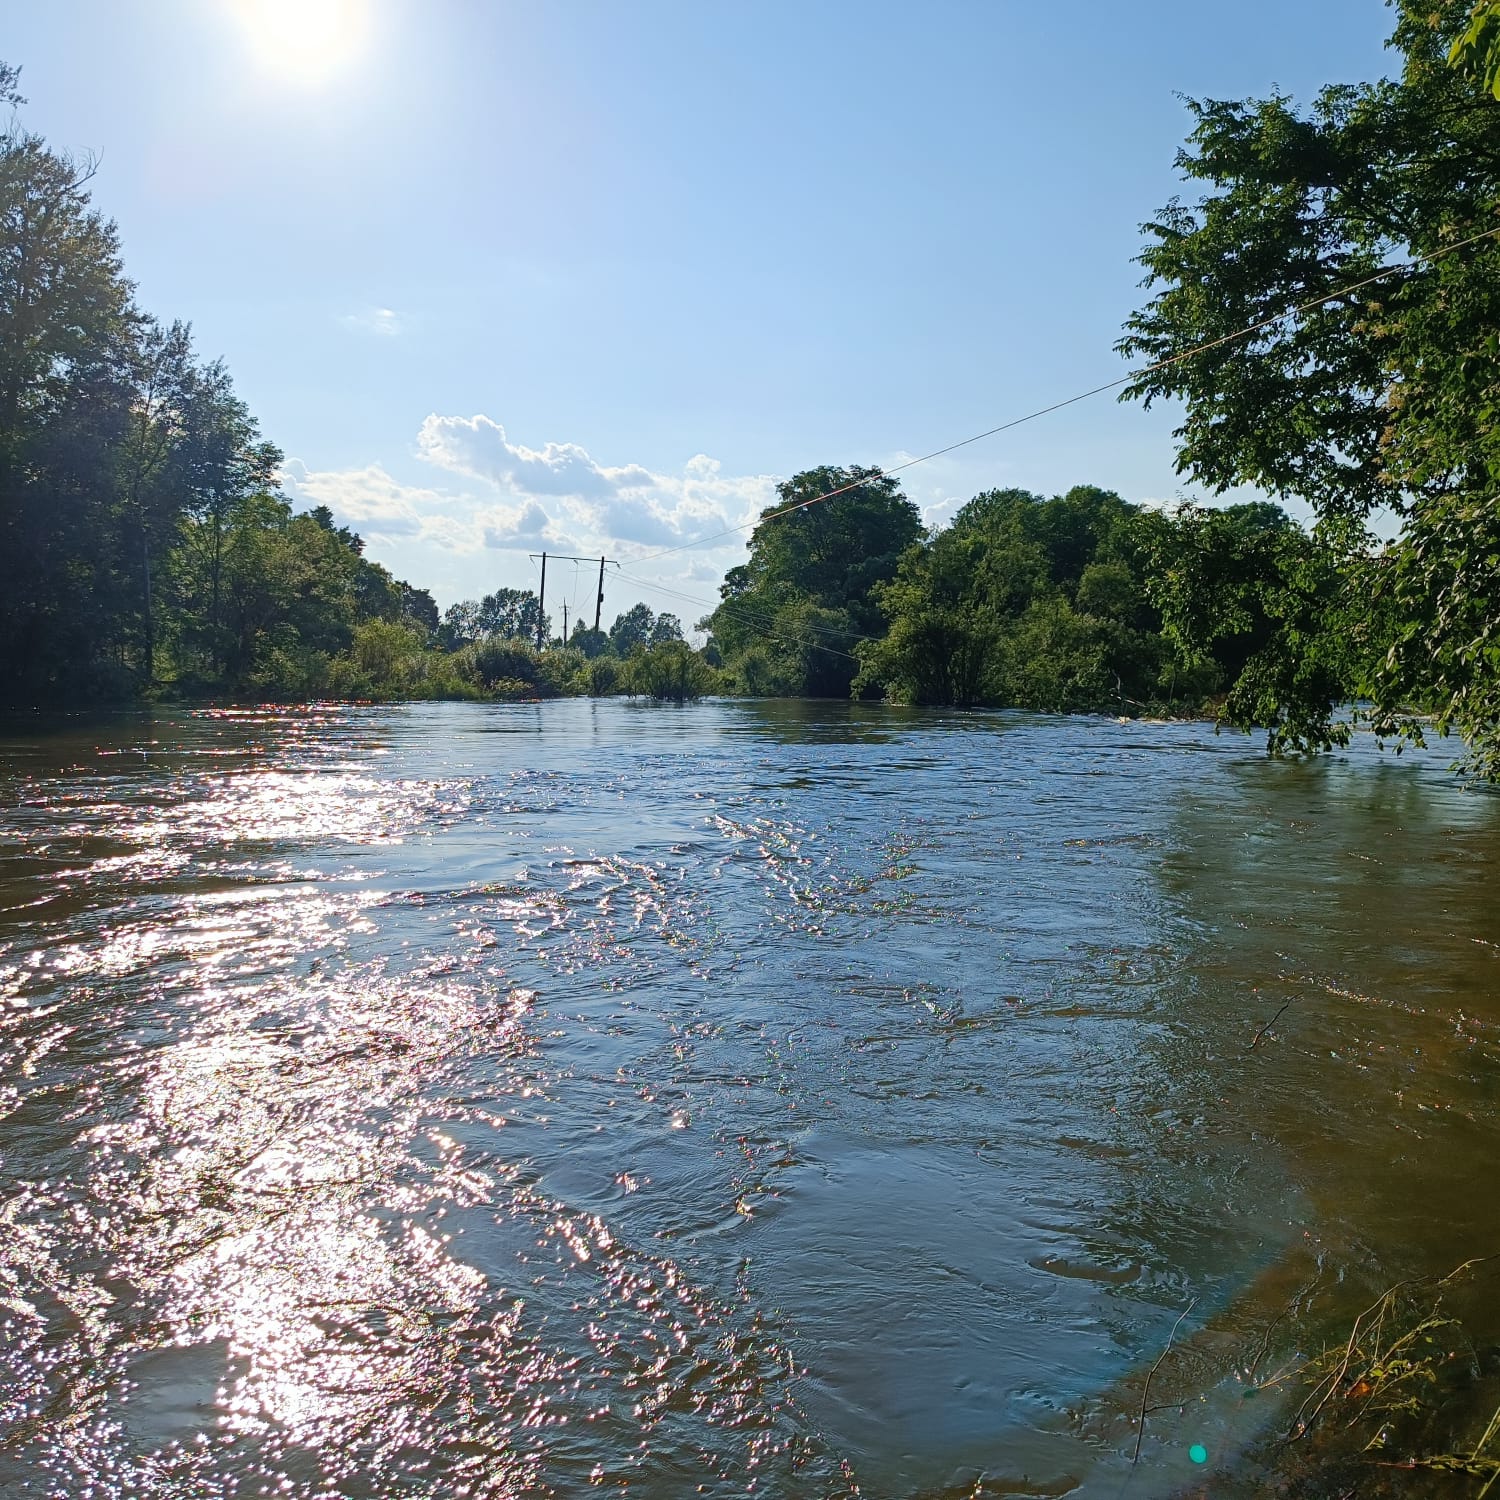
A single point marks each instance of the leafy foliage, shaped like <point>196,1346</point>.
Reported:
<point>790,617</point>
<point>1251,601</point>
<point>670,671</point>
<point>143,546</point>
<point>1023,601</point>
<point>1381,397</point>
<point>1477,49</point>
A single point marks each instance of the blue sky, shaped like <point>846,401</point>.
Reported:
<point>587,276</point>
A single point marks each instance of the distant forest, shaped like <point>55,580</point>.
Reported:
<point>146,551</point>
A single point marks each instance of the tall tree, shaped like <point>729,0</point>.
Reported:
<point>219,459</point>
<point>805,598</point>
<point>510,614</point>
<point>1023,602</point>
<point>1381,395</point>
<point>68,330</point>
<point>632,628</point>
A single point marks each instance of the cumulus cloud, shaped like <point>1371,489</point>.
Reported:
<point>367,499</point>
<point>525,525</point>
<point>556,498</point>
<point>478,447</point>
<point>560,485</point>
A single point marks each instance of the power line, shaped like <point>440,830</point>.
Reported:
<point>760,618</point>
<point>746,611</point>
<point>1161,364</point>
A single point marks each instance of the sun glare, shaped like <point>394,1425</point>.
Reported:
<point>305,40</point>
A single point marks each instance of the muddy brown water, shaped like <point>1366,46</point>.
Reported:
<point>777,1099</point>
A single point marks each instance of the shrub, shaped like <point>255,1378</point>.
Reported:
<point>671,672</point>
<point>602,677</point>
<point>500,661</point>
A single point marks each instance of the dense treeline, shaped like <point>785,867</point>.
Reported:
<point>1357,239</point>
<point>142,542</point>
<point>1078,603</point>
<point>144,547</point>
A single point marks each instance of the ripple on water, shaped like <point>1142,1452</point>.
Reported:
<point>501,1102</point>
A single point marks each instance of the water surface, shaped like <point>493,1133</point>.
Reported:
<point>785,1099</point>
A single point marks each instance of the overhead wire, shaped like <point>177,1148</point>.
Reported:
<point>573,597</point>
<point>765,618</point>
<point>1229,338</point>
<point>760,618</point>
<point>768,618</point>
<point>746,610</point>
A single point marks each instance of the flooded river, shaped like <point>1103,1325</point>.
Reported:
<point>797,1100</point>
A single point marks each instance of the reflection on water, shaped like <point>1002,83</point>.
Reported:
<point>792,1099</point>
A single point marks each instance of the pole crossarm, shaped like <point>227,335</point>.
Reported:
<point>603,562</point>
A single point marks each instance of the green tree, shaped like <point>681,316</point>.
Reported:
<point>945,628</point>
<point>1261,611</point>
<point>1024,602</point>
<point>68,329</point>
<point>1476,51</point>
<point>591,642</point>
<point>1384,396</point>
<point>141,537</point>
<point>460,626</point>
<point>419,609</point>
<point>511,614</point>
<point>213,458</point>
<point>664,628</point>
<point>631,629</point>
<point>670,671</point>
<point>792,615</point>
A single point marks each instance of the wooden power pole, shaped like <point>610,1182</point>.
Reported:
<point>541,608</point>
<point>598,603</point>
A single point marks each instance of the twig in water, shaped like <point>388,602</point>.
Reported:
<point>1140,1431</point>
<point>1378,1309</point>
<point>1269,1024</point>
<point>1265,1343</point>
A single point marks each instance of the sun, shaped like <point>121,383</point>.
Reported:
<point>304,40</point>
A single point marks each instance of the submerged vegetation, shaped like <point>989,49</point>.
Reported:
<point>1407,1393</point>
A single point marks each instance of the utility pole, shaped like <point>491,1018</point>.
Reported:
<point>541,608</point>
<point>598,603</point>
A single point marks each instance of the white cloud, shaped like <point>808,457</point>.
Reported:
<point>477,447</point>
<point>626,508</point>
<point>505,497</point>
<point>382,321</point>
<point>367,499</point>
<point>526,525</point>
